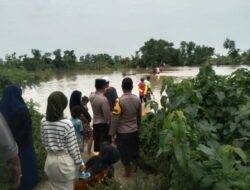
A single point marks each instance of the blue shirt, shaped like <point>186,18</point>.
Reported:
<point>77,123</point>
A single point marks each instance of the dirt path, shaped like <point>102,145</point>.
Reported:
<point>44,185</point>
<point>127,181</point>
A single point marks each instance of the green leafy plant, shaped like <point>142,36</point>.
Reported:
<point>36,123</point>
<point>199,138</point>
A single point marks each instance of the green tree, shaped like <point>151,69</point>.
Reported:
<point>87,59</point>
<point>12,60</point>
<point>36,54</point>
<point>58,61</point>
<point>231,47</point>
<point>104,58</point>
<point>47,59</point>
<point>202,54</point>
<point>117,59</point>
<point>192,54</point>
<point>33,63</point>
<point>157,52</point>
<point>245,56</point>
<point>69,58</point>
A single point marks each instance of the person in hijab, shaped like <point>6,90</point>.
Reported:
<point>16,113</point>
<point>76,100</point>
<point>59,139</point>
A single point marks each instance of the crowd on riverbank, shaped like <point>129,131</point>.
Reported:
<point>64,139</point>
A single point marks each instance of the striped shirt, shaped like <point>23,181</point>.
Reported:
<point>60,136</point>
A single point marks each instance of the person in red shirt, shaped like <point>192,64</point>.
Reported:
<point>142,87</point>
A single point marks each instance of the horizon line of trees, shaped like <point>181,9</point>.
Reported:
<point>153,53</point>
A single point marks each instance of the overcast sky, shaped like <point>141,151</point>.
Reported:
<point>120,27</point>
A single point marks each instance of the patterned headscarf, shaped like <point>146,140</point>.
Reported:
<point>57,102</point>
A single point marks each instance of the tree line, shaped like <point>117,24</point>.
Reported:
<point>153,53</point>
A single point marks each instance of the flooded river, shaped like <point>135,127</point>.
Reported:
<point>84,82</point>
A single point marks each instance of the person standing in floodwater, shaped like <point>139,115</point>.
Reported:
<point>158,70</point>
<point>142,88</point>
<point>125,123</point>
<point>149,89</point>
<point>101,112</point>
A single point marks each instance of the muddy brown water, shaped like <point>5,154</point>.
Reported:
<point>84,81</point>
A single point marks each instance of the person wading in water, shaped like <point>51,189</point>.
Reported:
<point>142,90</point>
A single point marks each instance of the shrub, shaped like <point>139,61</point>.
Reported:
<point>199,138</point>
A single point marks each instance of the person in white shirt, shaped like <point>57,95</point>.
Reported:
<point>58,136</point>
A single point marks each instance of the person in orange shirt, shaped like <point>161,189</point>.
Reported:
<point>142,87</point>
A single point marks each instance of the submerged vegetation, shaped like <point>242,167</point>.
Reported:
<point>200,137</point>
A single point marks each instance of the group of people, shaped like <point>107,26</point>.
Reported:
<point>115,120</point>
<point>117,117</point>
<point>145,90</point>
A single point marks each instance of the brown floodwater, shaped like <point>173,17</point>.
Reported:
<point>84,82</point>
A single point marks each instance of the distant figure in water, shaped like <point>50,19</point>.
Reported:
<point>142,88</point>
<point>149,89</point>
<point>156,70</point>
